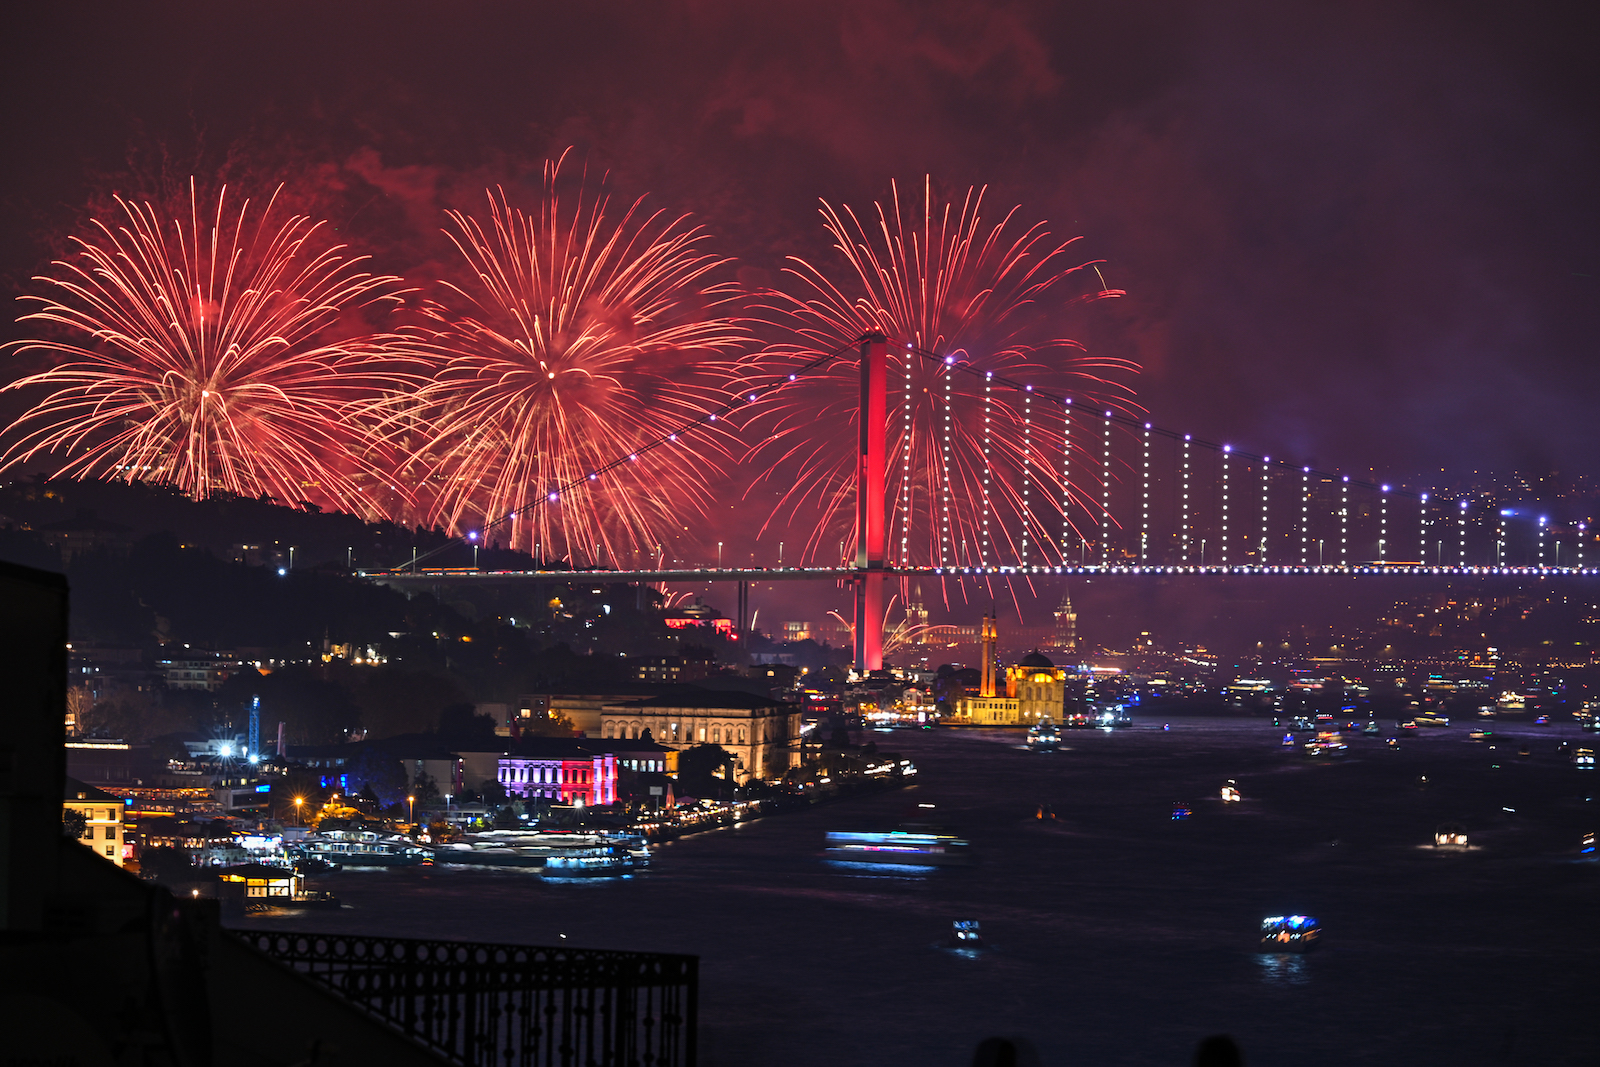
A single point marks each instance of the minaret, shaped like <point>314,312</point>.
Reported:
<point>917,617</point>
<point>1066,623</point>
<point>990,636</point>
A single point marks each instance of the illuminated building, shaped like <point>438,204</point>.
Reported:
<point>1035,689</point>
<point>574,777</point>
<point>762,735</point>
<point>102,814</point>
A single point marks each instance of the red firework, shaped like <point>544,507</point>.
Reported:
<point>211,352</point>
<point>581,339</point>
<point>976,473</point>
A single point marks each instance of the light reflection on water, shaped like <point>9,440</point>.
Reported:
<point>900,871</point>
<point>1284,969</point>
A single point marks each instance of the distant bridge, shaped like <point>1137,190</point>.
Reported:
<point>1048,489</point>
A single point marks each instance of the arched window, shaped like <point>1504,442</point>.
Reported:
<point>741,735</point>
<point>608,731</point>
<point>716,735</point>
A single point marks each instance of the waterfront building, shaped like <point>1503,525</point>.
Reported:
<point>762,734</point>
<point>559,770</point>
<point>1035,689</point>
<point>102,813</point>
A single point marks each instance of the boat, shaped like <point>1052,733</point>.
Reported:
<point>1289,933</point>
<point>1450,835</point>
<point>360,848</point>
<point>554,855</point>
<point>965,933</point>
<point>1043,736</point>
<point>1371,729</point>
<point>1230,793</point>
<point>1326,744</point>
<point>908,847</point>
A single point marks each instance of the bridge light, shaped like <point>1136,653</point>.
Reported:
<point>473,536</point>
<point>949,361</point>
<point>553,496</point>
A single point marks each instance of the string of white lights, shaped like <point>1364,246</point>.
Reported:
<point>1383,525</point>
<point>1066,477</point>
<point>1422,529</point>
<point>1227,451</point>
<point>983,541</point>
<point>1461,525</point>
<point>1305,516</point>
<point>1344,522</point>
<point>1185,544</point>
<point>1105,498</point>
<point>1266,474</point>
<point>906,487</point>
<point>1144,530</point>
<point>944,539</point>
<point>1027,468</point>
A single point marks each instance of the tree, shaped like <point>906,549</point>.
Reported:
<point>463,727</point>
<point>315,710</point>
<point>394,701</point>
<point>425,789</point>
<point>74,824</point>
<point>705,770</point>
<point>551,724</point>
<point>80,700</point>
<point>380,772</point>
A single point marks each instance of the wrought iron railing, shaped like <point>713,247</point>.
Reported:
<point>484,1005</point>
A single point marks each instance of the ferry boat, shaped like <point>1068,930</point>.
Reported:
<point>899,846</point>
<point>1371,729</point>
<point>555,855</point>
<point>1289,933</point>
<point>360,848</point>
<point>1043,736</point>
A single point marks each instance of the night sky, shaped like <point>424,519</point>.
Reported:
<point>1355,235</point>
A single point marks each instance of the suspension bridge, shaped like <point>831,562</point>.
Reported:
<point>1000,480</point>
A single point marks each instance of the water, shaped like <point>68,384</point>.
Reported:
<point>1115,935</point>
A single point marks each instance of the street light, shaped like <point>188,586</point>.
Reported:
<point>719,555</point>
<point>411,810</point>
<point>297,802</point>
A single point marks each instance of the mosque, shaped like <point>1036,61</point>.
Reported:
<point>1035,688</point>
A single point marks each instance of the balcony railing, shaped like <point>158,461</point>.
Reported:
<point>485,1005</point>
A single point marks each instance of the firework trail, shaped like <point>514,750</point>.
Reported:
<point>211,352</point>
<point>947,283</point>
<point>581,338</point>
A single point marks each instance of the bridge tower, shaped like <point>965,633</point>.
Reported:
<point>871,529</point>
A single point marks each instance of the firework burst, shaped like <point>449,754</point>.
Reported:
<point>581,338</point>
<point>974,468</point>
<point>213,352</point>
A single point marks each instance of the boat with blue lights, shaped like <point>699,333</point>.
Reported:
<point>910,847</point>
<point>1290,933</point>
